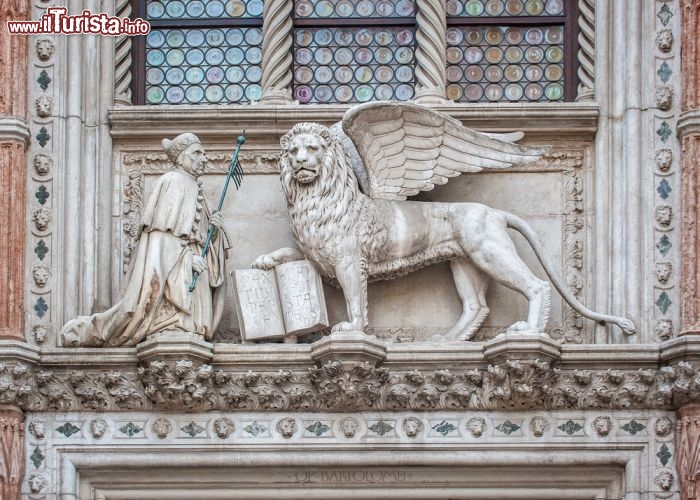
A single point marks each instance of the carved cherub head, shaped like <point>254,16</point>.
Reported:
<point>412,426</point>
<point>663,427</point>
<point>664,480</point>
<point>663,95</point>
<point>224,427</point>
<point>40,333</point>
<point>662,270</point>
<point>162,427</point>
<point>43,106</point>
<point>539,425</point>
<point>602,426</point>
<point>44,49</point>
<point>663,159</point>
<point>41,274</point>
<point>663,329</point>
<point>287,427</point>
<point>41,218</point>
<point>476,426</point>
<point>37,482</point>
<point>349,426</point>
<point>38,428</point>
<point>663,215</point>
<point>98,427</point>
<point>42,164</point>
<point>664,40</point>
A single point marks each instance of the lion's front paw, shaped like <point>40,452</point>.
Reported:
<point>345,326</point>
<point>518,327</point>
<point>264,262</point>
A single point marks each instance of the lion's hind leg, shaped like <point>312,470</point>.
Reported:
<point>495,255</point>
<point>471,286</point>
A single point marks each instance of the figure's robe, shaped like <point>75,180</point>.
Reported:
<point>174,226</point>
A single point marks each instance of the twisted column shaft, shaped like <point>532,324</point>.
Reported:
<point>122,59</point>
<point>277,52</point>
<point>431,59</point>
<point>586,53</point>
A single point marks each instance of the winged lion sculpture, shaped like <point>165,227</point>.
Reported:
<point>346,188</point>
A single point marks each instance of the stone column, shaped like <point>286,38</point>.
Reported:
<point>688,451</point>
<point>431,51</point>
<point>689,135</point>
<point>277,52</point>
<point>11,452</point>
<point>14,137</point>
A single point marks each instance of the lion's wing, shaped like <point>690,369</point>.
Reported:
<point>408,148</point>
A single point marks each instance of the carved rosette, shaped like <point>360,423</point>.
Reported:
<point>277,52</point>
<point>11,452</point>
<point>586,53</point>
<point>431,49</point>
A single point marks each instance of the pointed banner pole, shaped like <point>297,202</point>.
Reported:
<point>235,172</point>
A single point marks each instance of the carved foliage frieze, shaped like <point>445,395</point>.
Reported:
<point>184,385</point>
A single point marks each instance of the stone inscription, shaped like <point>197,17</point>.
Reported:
<point>258,305</point>
<point>301,291</point>
<point>352,476</point>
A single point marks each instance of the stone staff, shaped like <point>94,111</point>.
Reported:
<point>235,172</point>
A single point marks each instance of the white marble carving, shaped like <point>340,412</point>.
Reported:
<point>350,218</point>
<point>42,164</point>
<point>45,49</point>
<point>174,224</point>
<point>287,300</point>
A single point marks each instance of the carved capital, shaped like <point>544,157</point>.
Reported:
<point>11,451</point>
<point>688,451</point>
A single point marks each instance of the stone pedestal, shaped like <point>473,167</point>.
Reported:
<point>350,349</point>
<point>171,346</point>
<point>688,451</point>
<point>11,452</point>
<point>521,347</point>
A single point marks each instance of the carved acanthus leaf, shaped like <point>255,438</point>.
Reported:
<point>184,385</point>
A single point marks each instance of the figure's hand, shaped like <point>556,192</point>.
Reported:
<point>216,219</point>
<point>199,264</point>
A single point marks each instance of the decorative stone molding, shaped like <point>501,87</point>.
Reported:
<point>11,452</point>
<point>287,446</point>
<point>431,46</point>
<point>688,455</point>
<point>277,52</point>
<point>184,385</point>
<point>586,53</point>
<point>153,163</point>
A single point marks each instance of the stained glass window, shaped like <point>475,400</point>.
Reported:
<point>351,51</point>
<point>202,51</point>
<point>509,50</point>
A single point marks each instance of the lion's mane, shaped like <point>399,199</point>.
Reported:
<point>331,208</point>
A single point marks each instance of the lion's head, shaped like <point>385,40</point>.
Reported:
<point>305,149</point>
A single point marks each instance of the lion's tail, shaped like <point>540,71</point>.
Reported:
<point>523,228</point>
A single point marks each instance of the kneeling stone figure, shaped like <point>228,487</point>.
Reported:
<point>174,226</point>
